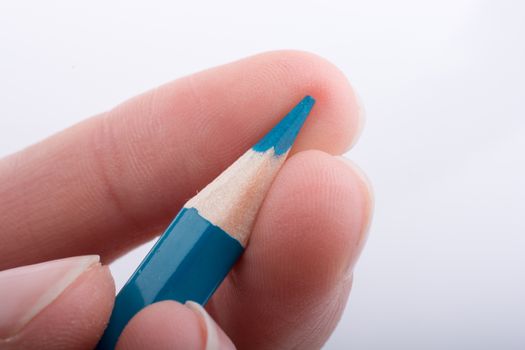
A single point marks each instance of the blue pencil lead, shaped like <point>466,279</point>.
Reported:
<point>282,136</point>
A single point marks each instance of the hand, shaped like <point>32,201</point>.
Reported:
<point>116,180</point>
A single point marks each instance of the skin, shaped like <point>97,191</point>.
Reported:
<point>115,180</point>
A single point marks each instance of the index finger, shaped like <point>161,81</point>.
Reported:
<point>115,180</point>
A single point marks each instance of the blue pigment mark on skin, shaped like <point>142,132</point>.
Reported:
<point>282,136</point>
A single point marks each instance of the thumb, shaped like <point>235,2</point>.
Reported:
<point>59,304</point>
<point>171,325</point>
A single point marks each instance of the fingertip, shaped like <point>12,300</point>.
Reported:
<point>75,319</point>
<point>264,87</point>
<point>297,265</point>
<point>337,118</point>
<point>216,339</point>
<point>171,325</point>
<point>318,206</point>
<point>163,325</point>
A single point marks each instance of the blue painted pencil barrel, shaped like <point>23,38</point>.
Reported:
<point>188,262</point>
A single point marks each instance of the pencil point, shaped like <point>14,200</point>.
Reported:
<point>283,135</point>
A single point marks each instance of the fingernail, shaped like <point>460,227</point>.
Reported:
<point>368,211</point>
<point>361,119</point>
<point>216,339</point>
<point>26,290</point>
<point>365,180</point>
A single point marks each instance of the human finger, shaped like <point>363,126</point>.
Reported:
<point>59,304</point>
<point>116,180</point>
<point>292,282</point>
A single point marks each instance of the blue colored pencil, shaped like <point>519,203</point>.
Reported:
<point>209,234</point>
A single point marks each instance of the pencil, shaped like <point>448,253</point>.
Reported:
<point>209,234</point>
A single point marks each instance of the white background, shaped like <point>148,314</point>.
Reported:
<point>443,85</point>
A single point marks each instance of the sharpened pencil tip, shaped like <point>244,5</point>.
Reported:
<point>283,135</point>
